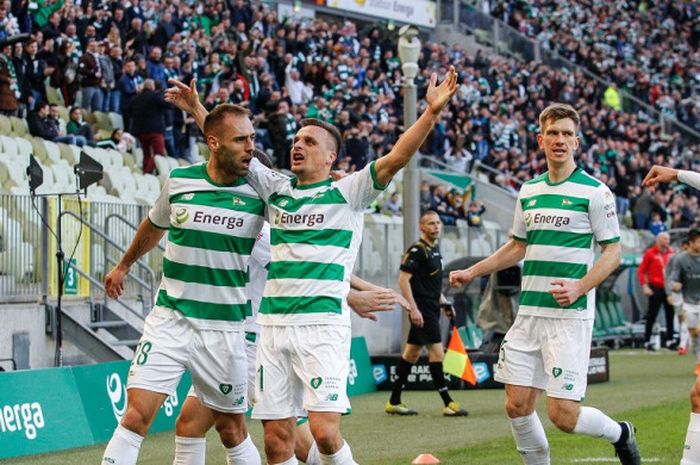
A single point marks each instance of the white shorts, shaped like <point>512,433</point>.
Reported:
<point>300,369</point>
<point>216,361</point>
<point>547,353</point>
<point>250,350</point>
<point>692,315</point>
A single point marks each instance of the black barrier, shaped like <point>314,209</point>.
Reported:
<point>384,372</point>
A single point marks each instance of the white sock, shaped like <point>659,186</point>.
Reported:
<point>683,334</point>
<point>190,451</point>
<point>695,343</point>
<point>244,453</point>
<point>290,461</point>
<point>342,457</point>
<point>592,422</point>
<point>123,448</point>
<point>691,451</point>
<point>314,456</point>
<point>530,439</point>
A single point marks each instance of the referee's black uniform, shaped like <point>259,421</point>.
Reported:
<point>424,262</point>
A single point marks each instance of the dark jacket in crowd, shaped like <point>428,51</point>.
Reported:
<point>147,112</point>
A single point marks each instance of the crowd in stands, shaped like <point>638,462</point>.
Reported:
<point>649,49</point>
<point>117,56</point>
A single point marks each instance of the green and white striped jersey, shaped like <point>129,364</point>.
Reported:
<point>212,229</point>
<point>559,223</point>
<point>315,233</point>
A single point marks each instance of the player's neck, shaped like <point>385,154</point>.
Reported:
<point>560,172</point>
<point>304,179</point>
<point>218,175</point>
<point>427,240</point>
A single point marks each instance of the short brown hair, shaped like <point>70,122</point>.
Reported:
<point>557,111</point>
<point>217,115</point>
<point>331,129</point>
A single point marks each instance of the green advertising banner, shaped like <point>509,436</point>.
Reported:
<point>360,379</point>
<point>103,392</point>
<point>40,411</point>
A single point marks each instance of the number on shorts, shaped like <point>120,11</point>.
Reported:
<point>142,352</point>
<point>260,378</point>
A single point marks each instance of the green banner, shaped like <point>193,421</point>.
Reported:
<point>40,411</point>
<point>103,392</point>
<point>360,380</point>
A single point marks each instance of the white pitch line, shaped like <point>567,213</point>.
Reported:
<point>610,460</point>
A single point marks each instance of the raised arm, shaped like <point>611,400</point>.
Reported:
<point>186,98</point>
<point>411,140</point>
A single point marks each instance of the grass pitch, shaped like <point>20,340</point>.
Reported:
<point>650,389</point>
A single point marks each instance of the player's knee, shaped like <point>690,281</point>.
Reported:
<point>695,398</point>
<point>278,441</point>
<point>232,431</point>
<point>136,420</point>
<point>328,439</point>
<point>516,409</point>
<point>562,420</point>
<point>186,426</point>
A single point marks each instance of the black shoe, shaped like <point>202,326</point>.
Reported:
<point>650,347</point>
<point>626,448</point>
<point>672,344</point>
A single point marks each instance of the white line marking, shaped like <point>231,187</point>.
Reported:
<point>610,460</point>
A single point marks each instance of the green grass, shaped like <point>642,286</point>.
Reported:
<point>650,389</point>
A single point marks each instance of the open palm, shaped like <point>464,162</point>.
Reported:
<point>438,96</point>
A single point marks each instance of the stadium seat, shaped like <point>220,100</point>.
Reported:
<point>24,148</point>
<point>5,125</point>
<point>9,146</point>
<point>54,96</point>
<point>53,151</point>
<point>103,121</point>
<point>19,126</point>
<point>63,113</point>
<point>70,153</point>
<point>116,119</point>
<point>39,150</point>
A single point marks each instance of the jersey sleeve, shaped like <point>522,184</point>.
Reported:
<point>603,217</point>
<point>261,249</point>
<point>159,215</point>
<point>361,188</point>
<point>264,180</point>
<point>412,259</point>
<point>519,227</point>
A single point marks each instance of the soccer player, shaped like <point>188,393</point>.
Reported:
<point>212,216</point>
<point>558,216</point>
<point>420,280</point>
<point>316,229</point>
<point>686,266</point>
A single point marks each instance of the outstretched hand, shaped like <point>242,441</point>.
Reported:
<point>660,175</point>
<point>438,96</point>
<point>185,97</point>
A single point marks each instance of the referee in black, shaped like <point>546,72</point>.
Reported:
<point>420,280</point>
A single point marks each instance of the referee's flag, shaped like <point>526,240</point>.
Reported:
<point>457,361</point>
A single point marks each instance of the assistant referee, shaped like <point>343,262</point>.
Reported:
<point>420,280</point>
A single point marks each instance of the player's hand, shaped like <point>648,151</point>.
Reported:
<point>646,290</point>
<point>114,281</point>
<point>438,96</point>
<point>660,174</point>
<point>566,292</point>
<point>337,175</point>
<point>416,318</point>
<point>448,310</point>
<point>460,277</point>
<point>366,303</point>
<point>185,97</point>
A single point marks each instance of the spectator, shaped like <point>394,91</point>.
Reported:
<point>77,127</point>
<point>656,226</point>
<point>129,85</point>
<point>34,71</point>
<point>41,124</point>
<point>119,140</point>
<point>474,213</point>
<point>392,206</point>
<point>9,89</point>
<point>90,73</point>
<point>148,124</point>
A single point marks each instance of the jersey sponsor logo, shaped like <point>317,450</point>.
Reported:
<point>306,219</point>
<point>188,196</point>
<point>532,203</point>
<point>231,222</point>
<point>181,215</point>
<point>238,201</point>
<point>556,372</point>
<point>566,202</point>
<point>27,417</point>
<point>239,401</point>
<point>316,382</point>
<point>568,387</point>
<point>225,388</point>
<point>539,218</point>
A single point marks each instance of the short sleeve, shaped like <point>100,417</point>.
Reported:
<point>361,188</point>
<point>519,228</point>
<point>411,260</point>
<point>264,180</point>
<point>603,217</point>
<point>159,215</point>
<point>261,249</point>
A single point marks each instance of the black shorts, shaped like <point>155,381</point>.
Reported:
<point>429,333</point>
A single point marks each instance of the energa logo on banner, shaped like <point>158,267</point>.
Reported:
<point>116,390</point>
<point>27,417</point>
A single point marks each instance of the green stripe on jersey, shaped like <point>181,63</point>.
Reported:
<point>580,177</point>
<point>559,238</point>
<point>560,202</point>
<point>211,241</point>
<point>287,203</point>
<point>334,237</point>
<point>189,172</point>
<point>203,275</point>
<point>306,270</point>
<point>205,310</point>
<point>300,305</point>
<point>221,199</point>
<point>554,269</point>
<point>545,299</point>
